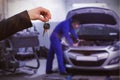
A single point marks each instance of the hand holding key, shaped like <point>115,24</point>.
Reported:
<point>39,13</point>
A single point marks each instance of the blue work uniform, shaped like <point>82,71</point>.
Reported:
<point>62,30</point>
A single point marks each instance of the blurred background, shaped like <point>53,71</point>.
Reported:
<point>58,8</point>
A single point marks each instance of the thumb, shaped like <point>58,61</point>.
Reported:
<point>42,19</point>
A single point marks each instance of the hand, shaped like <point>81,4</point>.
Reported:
<point>80,40</point>
<point>39,14</point>
<point>75,44</point>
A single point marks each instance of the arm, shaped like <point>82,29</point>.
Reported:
<point>72,31</point>
<point>66,34</point>
<point>14,24</point>
<point>39,13</point>
<point>22,21</point>
<point>75,36</point>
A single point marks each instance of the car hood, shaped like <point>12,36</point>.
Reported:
<point>96,15</point>
<point>97,23</point>
<point>89,48</point>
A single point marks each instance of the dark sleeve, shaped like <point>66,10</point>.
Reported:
<point>14,24</point>
<point>72,31</point>
<point>65,30</point>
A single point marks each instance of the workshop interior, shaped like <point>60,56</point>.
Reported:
<point>23,55</point>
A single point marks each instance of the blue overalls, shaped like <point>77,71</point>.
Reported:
<point>62,29</point>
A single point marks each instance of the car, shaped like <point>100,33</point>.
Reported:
<point>99,45</point>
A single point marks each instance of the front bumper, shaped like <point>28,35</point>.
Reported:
<point>92,58</point>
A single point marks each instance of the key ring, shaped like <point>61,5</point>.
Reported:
<point>46,27</point>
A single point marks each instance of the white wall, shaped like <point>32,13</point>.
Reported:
<point>1,9</point>
<point>119,7</point>
<point>112,4</point>
<point>57,7</point>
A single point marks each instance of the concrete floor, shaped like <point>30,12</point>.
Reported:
<point>25,74</point>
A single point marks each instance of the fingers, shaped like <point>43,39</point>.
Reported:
<point>44,19</point>
<point>45,14</point>
<point>39,14</point>
<point>75,44</point>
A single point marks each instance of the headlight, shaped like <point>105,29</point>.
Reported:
<point>115,48</point>
<point>115,60</point>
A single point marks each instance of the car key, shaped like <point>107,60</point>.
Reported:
<point>46,27</point>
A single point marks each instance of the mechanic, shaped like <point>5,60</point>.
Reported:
<point>62,30</point>
<point>22,21</point>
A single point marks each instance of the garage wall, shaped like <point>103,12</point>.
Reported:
<point>57,7</point>
<point>1,9</point>
<point>119,7</point>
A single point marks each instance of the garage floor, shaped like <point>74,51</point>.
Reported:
<point>25,74</point>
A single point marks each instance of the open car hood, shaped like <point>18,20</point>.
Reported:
<point>97,23</point>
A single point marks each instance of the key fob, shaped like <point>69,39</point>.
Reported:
<point>46,27</point>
